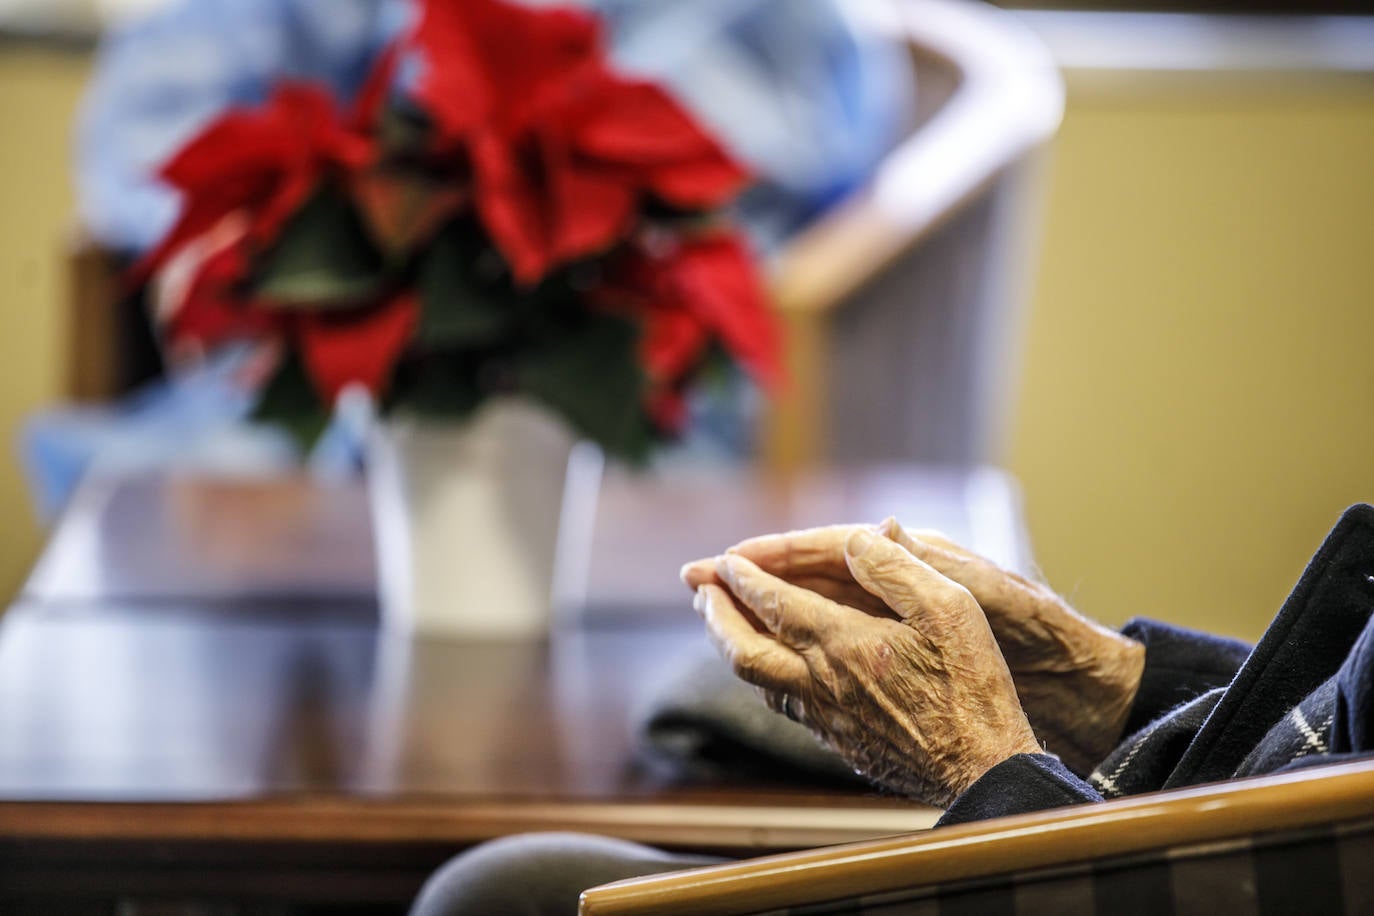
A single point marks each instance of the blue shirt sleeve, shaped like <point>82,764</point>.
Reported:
<point>161,77</point>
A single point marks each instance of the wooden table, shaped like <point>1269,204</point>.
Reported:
<point>196,702</point>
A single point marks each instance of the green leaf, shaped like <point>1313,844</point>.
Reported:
<point>458,309</point>
<point>439,385</point>
<point>323,258</point>
<point>591,377</point>
<point>403,128</point>
<point>289,401</point>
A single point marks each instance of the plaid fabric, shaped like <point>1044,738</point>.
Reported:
<point>1304,732</point>
<point>1145,760</point>
<point>1312,873</point>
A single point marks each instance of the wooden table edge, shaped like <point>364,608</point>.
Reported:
<point>722,826</point>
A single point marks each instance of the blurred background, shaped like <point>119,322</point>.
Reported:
<point>1192,406</point>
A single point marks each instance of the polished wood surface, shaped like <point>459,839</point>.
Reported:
<point>209,542</point>
<point>1313,797</point>
<point>194,679</point>
<point>156,705</point>
<point>186,639</point>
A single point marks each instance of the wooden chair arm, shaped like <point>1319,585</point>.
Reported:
<point>988,96</point>
<point>1066,836</point>
<point>91,372</point>
<point>993,117</point>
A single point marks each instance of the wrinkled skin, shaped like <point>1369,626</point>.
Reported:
<point>1074,678</point>
<point>917,698</point>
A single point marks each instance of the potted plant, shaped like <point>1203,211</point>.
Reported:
<point>502,241</point>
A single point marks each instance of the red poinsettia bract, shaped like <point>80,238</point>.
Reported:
<point>688,293</point>
<point>263,162</point>
<point>338,347</point>
<point>562,150</point>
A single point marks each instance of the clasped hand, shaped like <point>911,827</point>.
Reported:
<point>922,664</point>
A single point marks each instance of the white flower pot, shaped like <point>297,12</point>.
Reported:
<point>483,527</point>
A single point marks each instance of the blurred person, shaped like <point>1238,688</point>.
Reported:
<point>797,91</point>
<point>943,678</point>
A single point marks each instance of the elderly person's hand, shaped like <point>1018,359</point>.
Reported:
<point>1076,679</point>
<point>919,701</point>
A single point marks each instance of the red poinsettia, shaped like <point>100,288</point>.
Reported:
<point>687,293</point>
<point>562,150</point>
<point>358,243</point>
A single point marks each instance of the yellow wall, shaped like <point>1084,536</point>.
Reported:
<point>1198,398</point>
<point>38,92</point>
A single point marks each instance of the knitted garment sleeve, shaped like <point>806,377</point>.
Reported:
<point>1018,785</point>
<point>1180,665</point>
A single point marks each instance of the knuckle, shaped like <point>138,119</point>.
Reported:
<point>902,595</point>
<point>962,594</point>
<point>771,605</point>
<point>721,639</point>
<point>862,648</point>
<point>888,570</point>
<point>953,598</point>
<point>827,642</point>
<point>745,661</point>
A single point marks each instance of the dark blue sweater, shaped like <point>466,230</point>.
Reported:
<point>1210,708</point>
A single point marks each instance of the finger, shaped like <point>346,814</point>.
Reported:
<point>908,585</point>
<point>753,656</point>
<point>995,588</point>
<point>940,553</point>
<point>796,616</point>
<point>814,560</point>
<point>698,573</point>
<point>953,559</point>
<point>891,528</point>
<point>847,592</point>
<point>810,552</point>
<point>939,539</point>
<point>920,538</point>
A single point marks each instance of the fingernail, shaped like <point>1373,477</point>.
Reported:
<point>699,599</point>
<point>686,568</point>
<point>888,526</point>
<point>858,542</point>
